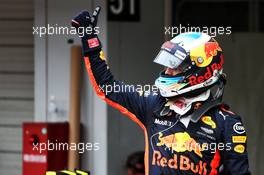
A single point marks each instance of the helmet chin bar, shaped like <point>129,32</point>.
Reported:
<point>188,102</point>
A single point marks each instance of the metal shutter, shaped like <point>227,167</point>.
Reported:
<point>16,80</point>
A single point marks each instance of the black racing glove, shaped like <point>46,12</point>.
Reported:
<point>90,40</point>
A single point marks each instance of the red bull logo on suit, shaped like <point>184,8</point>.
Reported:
<point>180,142</point>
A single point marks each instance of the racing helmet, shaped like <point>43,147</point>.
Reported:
<point>200,60</point>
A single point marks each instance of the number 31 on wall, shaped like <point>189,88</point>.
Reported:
<point>123,10</point>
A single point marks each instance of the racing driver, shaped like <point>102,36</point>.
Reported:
<point>188,129</point>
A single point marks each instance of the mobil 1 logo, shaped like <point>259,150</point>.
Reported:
<point>123,10</point>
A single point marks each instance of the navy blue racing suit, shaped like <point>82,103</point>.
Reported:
<point>216,144</point>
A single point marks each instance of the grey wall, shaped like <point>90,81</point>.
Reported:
<point>16,80</point>
<point>131,50</point>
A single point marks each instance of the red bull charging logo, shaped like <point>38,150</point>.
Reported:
<point>211,48</point>
<point>180,142</point>
<point>203,55</point>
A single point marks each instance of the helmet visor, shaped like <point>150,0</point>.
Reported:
<point>171,55</point>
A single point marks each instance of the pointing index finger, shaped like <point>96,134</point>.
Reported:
<point>95,14</point>
<point>96,11</point>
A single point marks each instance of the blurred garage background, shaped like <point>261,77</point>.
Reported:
<point>35,71</point>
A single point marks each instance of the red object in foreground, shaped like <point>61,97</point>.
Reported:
<point>45,147</point>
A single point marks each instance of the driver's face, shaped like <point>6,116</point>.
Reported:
<point>172,72</point>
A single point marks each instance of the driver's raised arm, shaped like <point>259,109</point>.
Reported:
<point>117,94</point>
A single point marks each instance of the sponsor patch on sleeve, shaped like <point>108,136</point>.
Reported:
<point>102,55</point>
<point>208,120</point>
<point>239,139</point>
<point>92,43</point>
<point>239,128</point>
<point>239,149</point>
